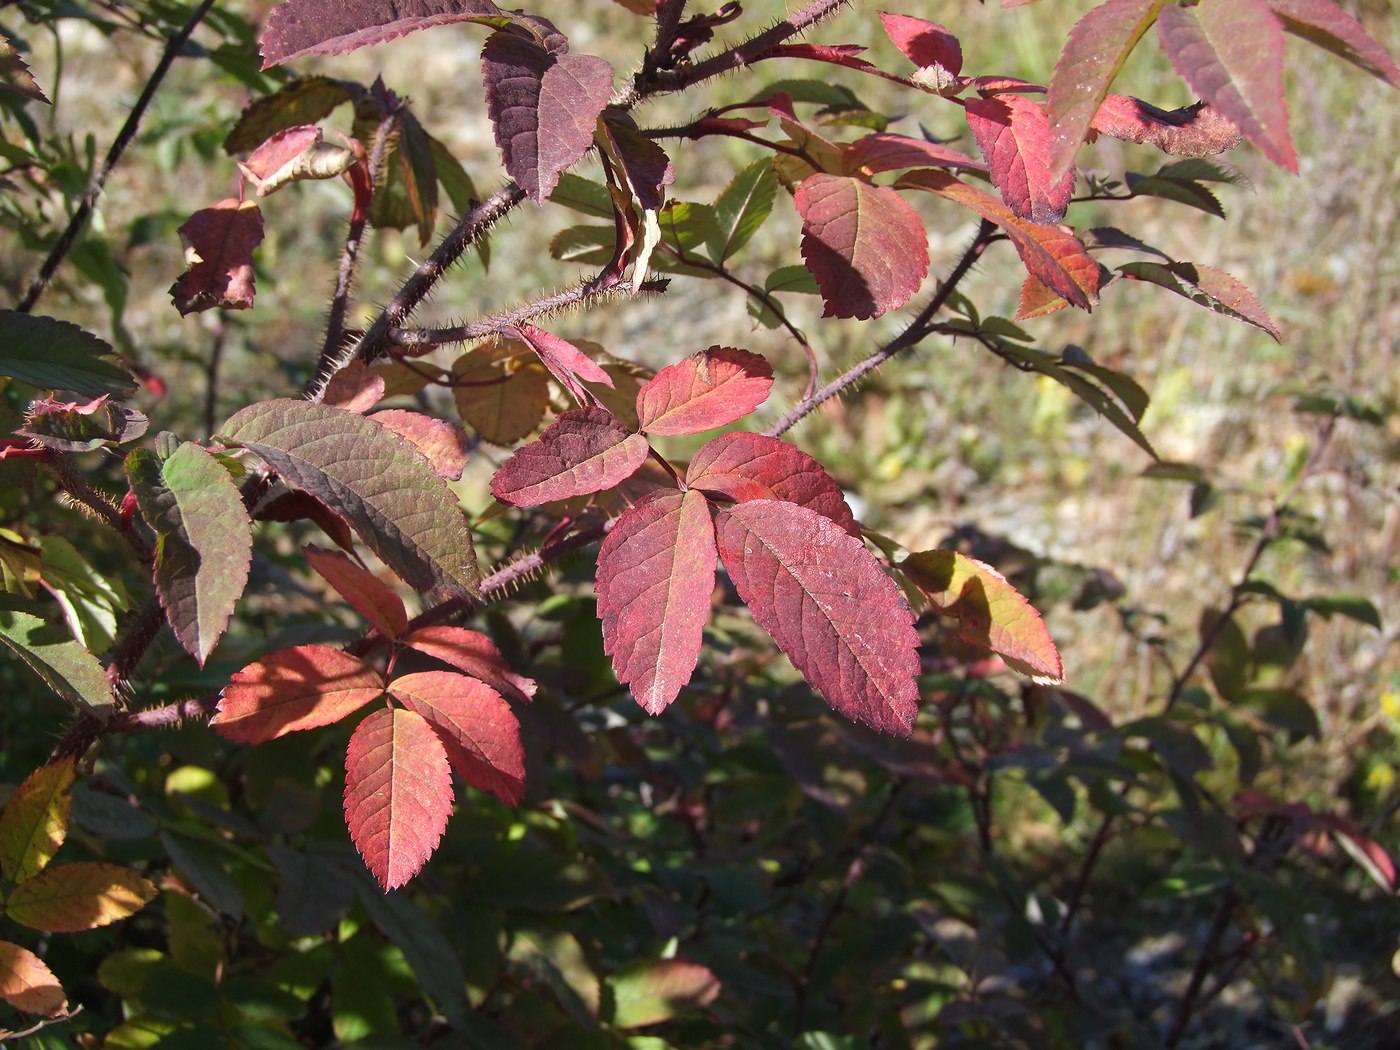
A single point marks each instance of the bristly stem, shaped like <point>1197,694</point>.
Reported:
<point>752,50</point>
<point>124,138</point>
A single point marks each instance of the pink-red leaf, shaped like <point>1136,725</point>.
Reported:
<point>443,444</point>
<point>924,43</point>
<point>398,793</point>
<point>566,362</point>
<point>219,243</point>
<point>474,653</point>
<point>476,726</point>
<point>354,388</point>
<point>656,572</point>
<point>1014,136</point>
<point>27,984</point>
<point>1231,53</point>
<point>1328,26</point>
<point>1095,51</point>
<point>990,612</point>
<point>705,390</point>
<point>741,466</point>
<point>544,107</point>
<point>830,607</point>
<point>333,27</point>
<point>295,154</point>
<point>864,244</point>
<point>82,896</point>
<point>300,688</point>
<point>1197,130</point>
<point>585,450</point>
<point>643,163</point>
<point>886,151</point>
<point>370,596</point>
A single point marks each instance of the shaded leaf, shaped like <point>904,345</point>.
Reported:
<point>500,390</point>
<point>35,821</point>
<point>1286,708</point>
<point>443,444</point>
<point>583,451</point>
<point>313,894</point>
<point>295,154</point>
<point>71,427</point>
<point>1197,130</point>
<point>1179,747</point>
<point>1352,606</point>
<point>69,669</point>
<point>298,506</point>
<point>991,613</point>
<point>56,355</point>
<point>370,476</point>
<point>1214,289</point>
<point>474,653</point>
<point>302,101</point>
<point>219,243</point>
<point>582,195</point>
<point>398,793</point>
<point>476,726</point>
<point>199,864</point>
<point>740,209</point>
<point>204,540</point>
<point>829,606</point>
<point>79,896</point>
<point>885,151</point>
<point>1367,853</point>
<point>557,959</point>
<point>370,596</point>
<point>1183,191</point>
<point>16,79</point>
<point>300,688</point>
<point>566,362</point>
<point>332,27</point>
<point>640,161</point>
<point>649,991</point>
<point>656,572</point>
<point>1328,26</point>
<point>705,390</point>
<point>26,983</point>
<point>1014,136</point>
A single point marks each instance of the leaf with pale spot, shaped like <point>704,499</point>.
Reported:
<point>219,243</point>
<point>585,450</point>
<point>649,991</point>
<point>291,689</point>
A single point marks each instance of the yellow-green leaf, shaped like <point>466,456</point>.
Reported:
<point>35,822</point>
<point>653,990</point>
<point>78,896</point>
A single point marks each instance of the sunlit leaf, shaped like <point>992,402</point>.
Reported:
<point>583,451</point>
<point>219,243</point>
<point>1013,134</point>
<point>27,984</point>
<point>79,896</point>
<point>57,355</point>
<point>370,596</point>
<point>332,27</point>
<point>705,390</point>
<point>300,688</point>
<point>648,991</point>
<point>473,653</point>
<point>35,821</point>
<point>741,209</point>
<point>66,666</point>
<point>1214,289</point>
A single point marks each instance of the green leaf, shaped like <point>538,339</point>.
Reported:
<point>1184,191</point>
<point>1227,660</point>
<point>56,355</point>
<point>69,669</point>
<point>1285,708</point>
<point>684,224</point>
<point>35,821</point>
<point>374,479</point>
<point>649,991</point>
<point>89,599</point>
<point>583,195</point>
<point>1352,606</point>
<point>205,873</point>
<point>741,209</point>
<point>1206,286</point>
<point>204,540</point>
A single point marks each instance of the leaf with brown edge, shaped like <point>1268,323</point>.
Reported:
<point>1014,136</point>
<point>583,451</point>
<point>476,726</point>
<point>740,466</point>
<point>443,444</point>
<point>1231,54</point>
<point>544,107</point>
<point>377,481</point>
<point>649,991</point>
<point>830,607</point>
<point>367,594</point>
<point>219,243</point>
<point>1094,52</point>
<point>1325,24</point>
<point>295,154</point>
<point>1206,286</point>
<point>355,388</point>
<point>1051,254</point>
<point>27,984</point>
<point>81,896</point>
<point>656,573</point>
<point>864,244</point>
<point>299,688</point>
<point>566,362</point>
<point>302,101</point>
<point>990,612</point>
<point>35,821</point>
<point>296,28</point>
<point>15,77</point>
<point>886,151</point>
<point>1197,130</point>
<point>924,43</point>
<point>473,653</point>
<point>705,390</point>
<point>398,793</point>
<point>500,389</point>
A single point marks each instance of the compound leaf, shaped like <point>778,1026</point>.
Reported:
<point>583,451</point>
<point>56,355</point>
<point>219,243</point>
<point>291,689</point>
<point>333,27</point>
<point>27,984</point>
<point>80,896</point>
<point>1014,136</point>
<point>705,390</point>
<point>367,594</point>
<point>35,821</point>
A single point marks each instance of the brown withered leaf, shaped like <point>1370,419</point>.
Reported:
<point>219,243</point>
<point>294,155</point>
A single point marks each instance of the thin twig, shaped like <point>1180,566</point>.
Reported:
<point>1218,926</point>
<point>211,380</point>
<point>752,50</point>
<point>66,1015</point>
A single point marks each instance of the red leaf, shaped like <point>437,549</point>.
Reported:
<point>991,613</point>
<point>644,164</point>
<point>829,606</point>
<point>885,151</point>
<point>1231,53</point>
<point>370,596</point>
<point>864,244</point>
<point>1369,854</point>
<point>544,107</point>
<point>443,444</point>
<point>219,243</point>
<point>333,27</point>
<point>1051,254</point>
<point>295,154</point>
<point>301,688</point>
<point>705,390</point>
<point>1095,51</point>
<point>354,388</point>
<point>474,653</point>
<point>298,506</point>
<point>566,362</point>
<point>1198,130</point>
<point>585,450</point>
<point>477,728</point>
<point>925,43</point>
<point>1014,135</point>
<point>1325,24</point>
<point>656,572</point>
<point>742,466</point>
<point>398,793</point>
<point>836,54</point>
<point>1037,300</point>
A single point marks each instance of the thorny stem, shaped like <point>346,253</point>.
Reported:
<point>752,50</point>
<point>124,138</point>
<point>668,20</point>
<point>76,486</point>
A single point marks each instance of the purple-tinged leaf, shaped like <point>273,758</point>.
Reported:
<point>1014,136</point>
<point>291,689</point>
<point>740,466</point>
<point>298,506</point>
<point>219,243</point>
<point>885,151</point>
<point>830,607</point>
<point>398,793</point>
<point>367,594</point>
<point>204,540</point>
<point>583,451</point>
<point>72,427</point>
<point>705,390</point>
<point>864,244</point>
<point>476,726</point>
<point>355,388</point>
<point>1214,289</point>
<point>443,444</point>
<point>332,27</point>
<point>374,479</point>
<point>1197,130</point>
<point>656,572</point>
<point>1231,54</point>
<point>15,78</point>
<point>544,107</point>
<point>1095,51</point>
<point>641,161</point>
<point>303,101</point>
<point>295,154</point>
<point>566,362</point>
<point>998,85</point>
<point>991,613</point>
<point>473,653</point>
<point>924,43</point>
<point>1328,26</point>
